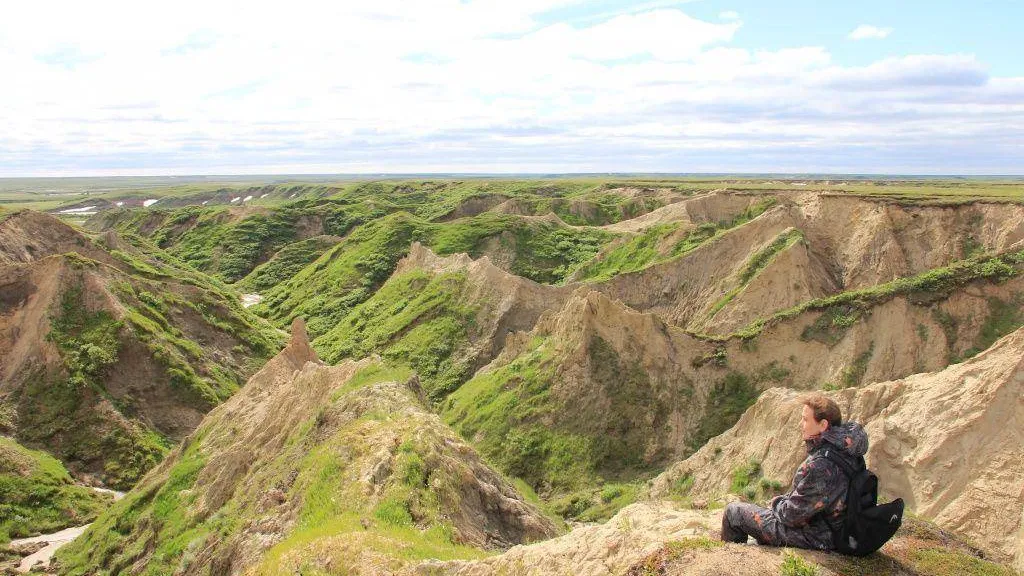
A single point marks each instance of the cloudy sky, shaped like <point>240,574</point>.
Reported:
<point>126,88</point>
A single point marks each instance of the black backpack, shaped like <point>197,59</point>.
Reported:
<point>867,525</point>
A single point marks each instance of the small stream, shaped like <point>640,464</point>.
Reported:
<point>53,541</point>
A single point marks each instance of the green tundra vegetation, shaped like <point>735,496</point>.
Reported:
<point>37,494</point>
<point>346,275</point>
<point>327,252</point>
<point>416,320</point>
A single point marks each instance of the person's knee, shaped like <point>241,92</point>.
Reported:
<point>732,526</point>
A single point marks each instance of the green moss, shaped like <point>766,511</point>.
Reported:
<point>164,508</point>
<point>542,251</point>
<point>660,243</point>
<point>214,241</point>
<point>286,263</point>
<point>633,254</point>
<point>941,562</point>
<point>831,326</point>
<point>373,373</point>
<point>514,419</point>
<point>60,410</point>
<point>747,480</point>
<point>744,475</point>
<point>325,291</point>
<point>393,511</point>
<point>854,374</point>
<point>665,558</point>
<point>696,543</point>
<point>596,504</point>
<point>501,409</point>
<point>37,494</point>
<point>794,565</point>
<point>88,341</point>
<point>681,486</point>
<point>1003,318</point>
<point>727,400</point>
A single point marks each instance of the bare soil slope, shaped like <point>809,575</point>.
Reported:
<point>950,443</point>
<point>836,244</point>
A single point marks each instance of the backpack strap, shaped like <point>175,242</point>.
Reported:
<point>832,453</point>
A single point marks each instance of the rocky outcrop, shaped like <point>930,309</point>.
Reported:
<point>950,443</point>
<point>658,538</point>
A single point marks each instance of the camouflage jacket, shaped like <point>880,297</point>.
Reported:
<point>818,496</point>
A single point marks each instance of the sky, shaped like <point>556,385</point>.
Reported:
<point>547,86</point>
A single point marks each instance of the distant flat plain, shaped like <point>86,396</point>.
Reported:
<point>55,194</point>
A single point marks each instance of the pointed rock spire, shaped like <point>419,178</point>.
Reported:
<point>299,350</point>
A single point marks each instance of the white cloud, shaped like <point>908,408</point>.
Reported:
<point>729,15</point>
<point>866,32</point>
<point>450,85</point>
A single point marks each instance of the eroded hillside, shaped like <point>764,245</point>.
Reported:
<point>112,355</point>
<point>311,467</point>
<point>583,338</point>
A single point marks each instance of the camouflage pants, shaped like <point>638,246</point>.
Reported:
<point>741,520</point>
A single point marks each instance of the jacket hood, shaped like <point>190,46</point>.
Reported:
<point>849,437</point>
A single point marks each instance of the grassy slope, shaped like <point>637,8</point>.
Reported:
<point>286,263</point>
<point>229,247</point>
<point>170,311</point>
<point>407,521</point>
<point>584,463</point>
<point>413,320</point>
<point>37,494</point>
<point>661,243</point>
<point>346,275</point>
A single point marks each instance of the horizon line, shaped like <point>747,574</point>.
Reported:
<point>525,174</point>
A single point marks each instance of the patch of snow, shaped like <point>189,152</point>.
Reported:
<point>150,202</point>
<point>235,199</point>
<point>250,299</point>
<point>117,495</point>
<point>82,210</point>
<point>265,195</point>
<point>204,202</point>
<point>53,542</point>
<point>247,198</point>
<point>120,203</point>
